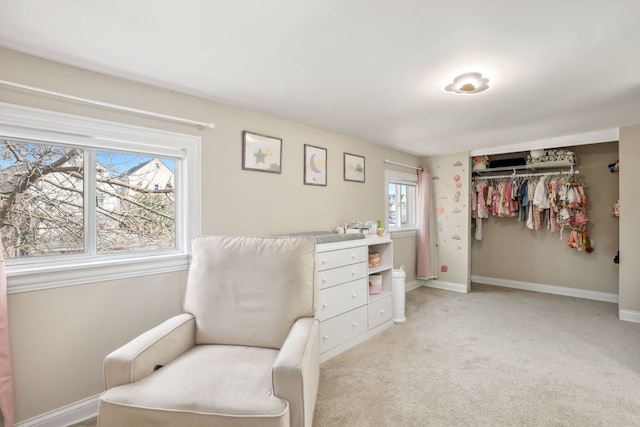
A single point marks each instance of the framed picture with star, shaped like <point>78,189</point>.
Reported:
<point>261,152</point>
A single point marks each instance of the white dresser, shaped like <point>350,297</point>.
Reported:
<point>348,314</point>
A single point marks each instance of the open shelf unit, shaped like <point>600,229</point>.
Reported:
<point>385,269</point>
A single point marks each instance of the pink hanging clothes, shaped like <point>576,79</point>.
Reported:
<point>503,203</point>
<point>481,209</point>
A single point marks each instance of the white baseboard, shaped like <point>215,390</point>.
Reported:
<point>549,289</point>
<point>412,285</point>
<point>66,415</point>
<point>629,315</point>
<point>447,286</point>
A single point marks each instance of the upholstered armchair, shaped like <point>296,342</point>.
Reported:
<point>244,353</point>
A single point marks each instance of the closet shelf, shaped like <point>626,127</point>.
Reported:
<point>532,167</point>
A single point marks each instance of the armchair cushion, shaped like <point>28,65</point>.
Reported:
<point>233,295</point>
<point>209,385</point>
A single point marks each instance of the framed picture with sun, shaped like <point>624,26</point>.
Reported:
<point>261,152</point>
<point>353,167</point>
<point>315,165</point>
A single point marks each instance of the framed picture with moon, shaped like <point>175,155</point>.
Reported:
<point>315,165</point>
<point>261,152</point>
<point>353,168</point>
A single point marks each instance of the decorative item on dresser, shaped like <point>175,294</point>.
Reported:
<point>348,313</point>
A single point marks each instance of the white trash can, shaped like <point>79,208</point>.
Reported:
<point>398,289</point>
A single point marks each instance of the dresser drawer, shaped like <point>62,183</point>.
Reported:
<point>333,259</point>
<point>339,299</point>
<point>380,311</point>
<point>336,276</point>
<point>342,328</point>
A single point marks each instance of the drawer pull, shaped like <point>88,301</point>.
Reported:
<point>353,273</point>
<point>324,280</point>
<point>324,305</point>
<point>355,324</point>
<point>381,311</point>
<point>353,256</point>
<point>324,261</point>
<point>324,337</point>
<point>353,295</point>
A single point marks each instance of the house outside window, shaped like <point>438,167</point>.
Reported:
<point>86,200</point>
<point>400,198</point>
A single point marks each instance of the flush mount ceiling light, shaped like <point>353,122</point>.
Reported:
<point>468,84</point>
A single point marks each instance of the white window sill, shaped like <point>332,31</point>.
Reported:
<point>403,232</point>
<point>35,278</point>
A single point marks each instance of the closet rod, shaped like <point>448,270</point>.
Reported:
<point>108,105</point>
<point>402,164</point>
<point>526,175</point>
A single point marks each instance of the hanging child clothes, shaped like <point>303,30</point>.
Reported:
<point>546,202</point>
<point>531,190</point>
<point>524,201</point>
<point>482,211</point>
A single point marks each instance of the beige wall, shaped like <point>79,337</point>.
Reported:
<point>405,253</point>
<point>61,336</point>
<point>450,192</point>
<point>511,251</point>
<point>629,228</point>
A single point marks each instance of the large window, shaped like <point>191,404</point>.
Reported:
<point>46,211</point>
<point>87,200</point>
<point>400,195</point>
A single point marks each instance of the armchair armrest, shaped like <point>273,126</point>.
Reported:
<point>158,346</point>
<point>297,369</point>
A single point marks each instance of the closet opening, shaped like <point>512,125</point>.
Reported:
<point>544,220</point>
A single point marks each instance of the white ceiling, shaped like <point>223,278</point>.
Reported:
<point>371,69</point>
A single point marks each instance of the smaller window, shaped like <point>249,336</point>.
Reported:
<point>400,192</point>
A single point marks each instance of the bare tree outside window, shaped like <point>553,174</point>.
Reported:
<point>43,201</point>
<point>138,200</point>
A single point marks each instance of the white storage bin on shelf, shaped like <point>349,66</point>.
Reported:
<point>375,284</point>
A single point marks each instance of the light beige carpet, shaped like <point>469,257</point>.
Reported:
<point>492,357</point>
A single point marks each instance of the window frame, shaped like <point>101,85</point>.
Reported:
<point>53,127</point>
<point>402,178</point>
